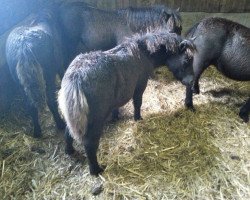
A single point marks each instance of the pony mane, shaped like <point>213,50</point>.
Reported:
<point>153,40</point>
<point>177,18</point>
<point>153,16</point>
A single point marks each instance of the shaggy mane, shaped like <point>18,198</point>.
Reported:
<point>154,16</point>
<point>153,40</point>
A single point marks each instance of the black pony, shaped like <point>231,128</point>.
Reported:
<point>157,16</point>
<point>224,44</point>
<point>34,54</point>
<point>98,82</point>
<point>88,28</point>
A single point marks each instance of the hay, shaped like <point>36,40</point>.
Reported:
<point>172,154</point>
<point>176,154</point>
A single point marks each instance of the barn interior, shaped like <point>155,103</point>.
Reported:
<point>173,153</point>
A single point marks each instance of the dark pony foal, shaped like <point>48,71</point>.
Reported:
<point>226,45</point>
<point>156,16</point>
<point>98,82</point>
<point>34,56</point>
<point>88,28</point>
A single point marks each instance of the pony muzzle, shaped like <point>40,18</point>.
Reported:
<point>187,80</point>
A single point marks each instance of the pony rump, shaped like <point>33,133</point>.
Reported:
<point>74,107</point>
<point>34,53</point>
<point>30,75</point>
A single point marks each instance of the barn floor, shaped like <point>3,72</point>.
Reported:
<point>172,154</point>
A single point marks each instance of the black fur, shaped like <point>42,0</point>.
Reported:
<point>99,82</point>
<point>34,54</point>
<point>224,44</point>
<point>87,28</point>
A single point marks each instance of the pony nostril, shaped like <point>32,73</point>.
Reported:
<point>187,80</point>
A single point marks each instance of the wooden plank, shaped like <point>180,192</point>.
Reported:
<point>213,6</point>
<point>171,3</point>
<point>233,6</point>
<point>200,6</point>
<point>247,6</point>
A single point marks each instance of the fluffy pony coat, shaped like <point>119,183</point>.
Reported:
<point>34,54</point>
<point>98,82</point>
<point>224,44</point>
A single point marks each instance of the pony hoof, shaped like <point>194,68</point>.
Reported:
<point>138,118</point>
<point>190,106</point>
<point>61,125</point>
<point>244,117</point>
<point>37,133</point>
<point>115,119</point>
<point>196,90</point>
<point>69,151</point>
<point>96,170</point>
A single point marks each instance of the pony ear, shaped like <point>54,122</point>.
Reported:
<point>187,45</point>
<point>170,24</point>
<point>193,38</point>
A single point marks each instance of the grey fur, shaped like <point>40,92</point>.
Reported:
<point>87,28</point>
<point>98,82</point>
<point>157,16</point>
<point>34,53</point>
<point>224,44</point>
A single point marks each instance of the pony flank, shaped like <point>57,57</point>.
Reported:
<point>34,56</point>
<point>87,28</point>
<point>98,82</point>
<point>224,44</point>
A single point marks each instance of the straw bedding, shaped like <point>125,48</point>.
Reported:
<point>173,153</point>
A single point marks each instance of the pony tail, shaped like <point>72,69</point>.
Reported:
<point>74,107</point>
<point>30,75</point>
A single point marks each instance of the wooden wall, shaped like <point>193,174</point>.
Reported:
<point>184,5</point>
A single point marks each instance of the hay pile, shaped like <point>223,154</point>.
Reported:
<point>172,154</point>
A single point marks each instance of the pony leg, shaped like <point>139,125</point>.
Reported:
<point>91,143</point>
<point>69,149</point>
<point>52,103</point>
<point>189,97</point>
<point>199,66</point>
<point>33,112</point>
<point>115,115</point>
<point>244,111</point>
<point>196,87</point>
<point>137,100</point>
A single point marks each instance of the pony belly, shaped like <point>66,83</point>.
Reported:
<point>235,65</point>
<point>123,97</point>
<point>235,71</point>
